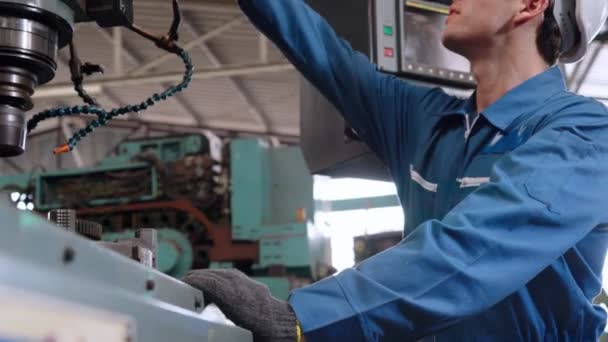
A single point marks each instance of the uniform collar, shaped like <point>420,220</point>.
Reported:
<point>524,98</point>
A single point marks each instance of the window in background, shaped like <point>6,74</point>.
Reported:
<point>344,226</point>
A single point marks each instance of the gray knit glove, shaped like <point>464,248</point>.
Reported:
<point>247,303</point>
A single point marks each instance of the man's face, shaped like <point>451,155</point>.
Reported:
<point>476,23</point>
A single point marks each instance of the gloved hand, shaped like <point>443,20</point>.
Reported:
<point>247,303</point>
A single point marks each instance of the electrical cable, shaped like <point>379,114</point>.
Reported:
<point>103,116</point>
<point>167,43</point>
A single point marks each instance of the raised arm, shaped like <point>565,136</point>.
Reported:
<point>382,109</point>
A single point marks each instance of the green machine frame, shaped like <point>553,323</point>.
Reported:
<point>272,202</point>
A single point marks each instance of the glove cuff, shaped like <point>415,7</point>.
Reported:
<point>285,324</point>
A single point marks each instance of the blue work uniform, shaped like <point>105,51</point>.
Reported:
<point>506,229</point>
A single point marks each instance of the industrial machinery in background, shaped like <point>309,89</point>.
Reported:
<point>253,211</point>
<point>272,203</point>
<point>366,246</point>
<point>402,38</point>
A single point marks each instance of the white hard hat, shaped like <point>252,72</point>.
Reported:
<point>579,23</point>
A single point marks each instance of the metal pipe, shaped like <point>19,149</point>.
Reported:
<point>220,129</point>
<point>202,74</point>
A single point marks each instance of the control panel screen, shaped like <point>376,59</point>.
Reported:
<point>422,50</point>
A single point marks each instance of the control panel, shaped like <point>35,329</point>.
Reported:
<point>402,38</point>
<point>386,35</point>
<point>407,42</point>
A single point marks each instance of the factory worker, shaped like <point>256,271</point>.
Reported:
<point>505,192</point>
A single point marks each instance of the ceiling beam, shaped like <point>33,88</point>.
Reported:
<point>191,5</point>
<point>156,61</point>
<point>117,42</point>
<point>263,47</point>
<point>109,93</point>
<point>201,74</point>
<point>63,92</point>
<point>130,54</point>
<point>258,113</point>
<point>13,165</point>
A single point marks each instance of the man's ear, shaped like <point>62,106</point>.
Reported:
<point>530,9</point>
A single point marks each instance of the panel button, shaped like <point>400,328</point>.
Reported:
<point>388,30</point>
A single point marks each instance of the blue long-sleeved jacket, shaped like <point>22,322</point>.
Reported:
<point>506,227</point>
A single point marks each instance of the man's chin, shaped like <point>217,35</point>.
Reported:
<point>453,44</point>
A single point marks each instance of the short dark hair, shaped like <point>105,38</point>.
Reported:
<point>549,39</point>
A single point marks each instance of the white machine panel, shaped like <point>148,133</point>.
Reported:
<point>28,316</point>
